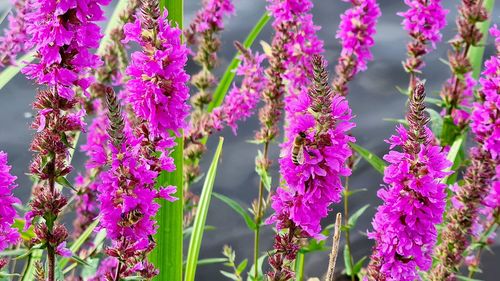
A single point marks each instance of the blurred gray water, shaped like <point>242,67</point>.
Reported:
<point>373,97</point>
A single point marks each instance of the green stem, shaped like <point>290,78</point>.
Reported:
<point>299,266</point>
<point>259,215</point>
<point>346,221</point>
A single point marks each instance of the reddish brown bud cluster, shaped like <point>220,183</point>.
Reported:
<point>286,246</point>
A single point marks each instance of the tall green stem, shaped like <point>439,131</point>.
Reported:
<point>346,222</point>
<point>259,215</point>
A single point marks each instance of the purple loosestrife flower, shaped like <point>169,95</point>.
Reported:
<point>8,234</point>
<point>13,41</point>
<point>127,196</point>
<point>356,30</point>
<point>485,123</point>
<point>470,13</point>
<point>414,200</point>
<point>157,89</point>
<point>63,34</point>
<point>240,102</point>
<point>312,185</point>
<point>424,21</point>
<point>204,32</point>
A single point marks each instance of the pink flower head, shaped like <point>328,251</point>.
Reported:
<point>8,234</point>
<point>241,101</point>
<point>211,15</point>
<point>356,30</point>
<point>13,41</point>
<point>425,18</point>
<point>63,45</point>
<point>414,202</point>
<point>485,121</point>
<point>157,89</point>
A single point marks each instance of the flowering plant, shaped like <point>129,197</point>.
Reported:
<point>147,116</point>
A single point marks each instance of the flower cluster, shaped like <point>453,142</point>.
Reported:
<point>127,196</point>
<point>424,21</point>
<point>63,34</point>
<point>356,30</point>
<point>13,41</point>
<point>8,235</point>
<point>240,102</point>
<point>312,184</point>
<point>485,121</point>
<point>210,17</point>
<point>414,200</point>
<point>470,13</point>
<point>157,90</point>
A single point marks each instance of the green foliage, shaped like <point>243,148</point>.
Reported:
<point>79,242</point>
<point>227,78</point>
<point>377,163</point>
<point>201,216</point>
<point>353,219</point>
<point>11,71</point>
<point>476,53</point>
<point>238,209</point>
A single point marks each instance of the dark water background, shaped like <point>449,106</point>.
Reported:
<point>373,97</point>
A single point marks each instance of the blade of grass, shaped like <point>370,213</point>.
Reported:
<point>476,53</point>
<point>453,153</point>
<point>228,76</point>
<point>201,216</point>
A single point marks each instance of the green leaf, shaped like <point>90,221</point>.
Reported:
<point>238,209</point>
<point>188,231</point>
<point>453,153</point>
<point>476,53</point>
<point>227,78</point>
<point>264,176</point>
<point>89,271</point>
<point>460,277</point>
<point>28,274</point>
<point>63,181</point>
<point>436,121</point>
<point>260,275</point>
<point>396,120</point>
<point>201,216</point>
<point>347,261</point>
<point>449,132</point>
<point>12,70</point>
<point>352,192</point>
<point>25,235</point>
<point>353,219</point>
<point>79,242</point>
<point>358,266</point>
<point>230,275</point>
<point>242,266</point>
<point>371,158</point>
<point>211,261</point>
<point>299,266</point>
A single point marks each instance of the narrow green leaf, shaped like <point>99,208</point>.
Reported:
<point>229,275</point>
<point>211,261</point>
<point>371,158</point>
<point>353,219</point>
<point>453,153</point>
<point>201,216</point>
<point>436,121</point>
<point>227,78</point>
<point>79,242</point>
<point>28,274</point>
<point>11,71</point>
<point>238,209</point>
<point>463,278</point>
<point>357,267</point>
<point>450,131</point>
<point>347,261</point>
<point>242,266</point>
<point>396,120</point>
<point>299,266</point>
<point>476,53</point>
